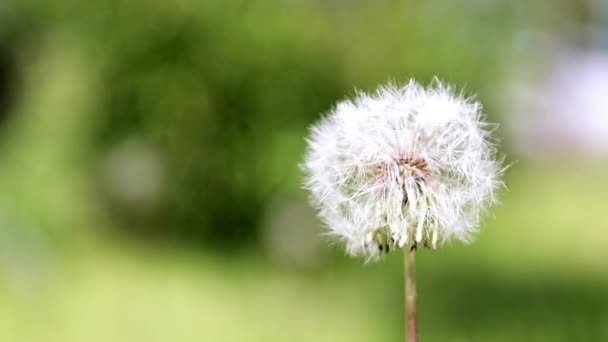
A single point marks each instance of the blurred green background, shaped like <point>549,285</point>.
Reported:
<point>149,181</point>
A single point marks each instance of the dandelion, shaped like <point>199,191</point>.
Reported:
<point>403,167</point>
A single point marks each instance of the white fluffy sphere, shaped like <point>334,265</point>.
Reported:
<point>407,164</point>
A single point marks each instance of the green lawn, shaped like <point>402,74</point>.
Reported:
<point>538,272</point>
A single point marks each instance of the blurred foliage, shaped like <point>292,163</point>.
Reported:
<point>221,93</point>
<point>185,120</point>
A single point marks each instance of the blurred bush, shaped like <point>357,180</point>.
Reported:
<point>223,105</point>
<point>200,108</point>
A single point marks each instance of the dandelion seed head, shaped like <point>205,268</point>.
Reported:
<point>405,165</point>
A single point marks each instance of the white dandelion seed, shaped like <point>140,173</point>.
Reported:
<point>405,165</point>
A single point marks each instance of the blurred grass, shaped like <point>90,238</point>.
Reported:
<point>536,273</point>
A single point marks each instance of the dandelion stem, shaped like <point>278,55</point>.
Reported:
<point>411,317</point>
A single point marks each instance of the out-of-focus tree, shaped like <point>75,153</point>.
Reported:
<point>201,107</point>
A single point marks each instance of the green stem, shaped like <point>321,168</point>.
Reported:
<point>411,316</point>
